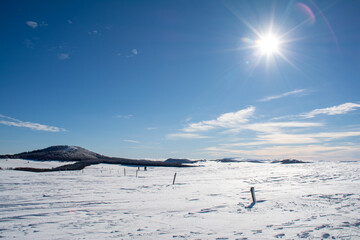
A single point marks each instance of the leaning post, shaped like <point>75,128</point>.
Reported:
<point>252,190</point>
<point>174,178</point>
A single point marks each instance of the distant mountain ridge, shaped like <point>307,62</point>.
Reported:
<point>63,153</point>
<point>83,158</point>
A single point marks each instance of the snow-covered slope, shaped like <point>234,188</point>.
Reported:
<point>313,201</point>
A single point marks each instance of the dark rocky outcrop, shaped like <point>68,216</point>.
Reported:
<point>289,161</point>
<point>176,160</point>
<point>233,160</point>
<point>227,160</point>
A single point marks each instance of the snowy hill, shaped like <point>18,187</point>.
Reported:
<point>59,153</point>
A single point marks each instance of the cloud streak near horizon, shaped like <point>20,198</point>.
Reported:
<point>185,136</point>
<point>131,141</point>
<point>124,116</point>
<point>34,126</point>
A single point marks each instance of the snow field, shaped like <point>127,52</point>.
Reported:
<point>317,200</point>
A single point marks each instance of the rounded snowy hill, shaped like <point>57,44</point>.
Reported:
<point>59,153</point>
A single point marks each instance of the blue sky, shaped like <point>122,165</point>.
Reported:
<point>188,79</point>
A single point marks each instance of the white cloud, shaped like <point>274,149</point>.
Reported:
<point>134,52</point>
<point>32,24</point>
<point>93,32</point>
<point>270,127</point>
<point>130,141</point>
<point>63,56</point>
<point>185,136</point>
<point>294,92</point>
<point>335,110</point>
<point>127,116</point>
<point>335,135</point>
<point>34,126</point>
<point>226,120</point>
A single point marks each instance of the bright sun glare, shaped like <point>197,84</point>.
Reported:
<point>268,45</point>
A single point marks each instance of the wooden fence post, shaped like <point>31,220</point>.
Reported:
<point>252,190</point>
<point>174,178</point>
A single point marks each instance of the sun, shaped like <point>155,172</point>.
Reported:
<point>268,44</point>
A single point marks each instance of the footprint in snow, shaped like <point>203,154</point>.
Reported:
<point>207,210</point>
<point>281,235</point>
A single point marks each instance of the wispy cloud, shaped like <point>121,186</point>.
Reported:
<point>271,127</point>
<point>185,136</point>
<point>5,120</point>
<point>134,52</point>
<point>226,120</point>
<point>69,21</point>
<point>294,92</point>
<point>127,116</point>
<point>32,24</point>
<point>335,110</point>
<point>94,32</point>
<point>130,141</point>
<point>151,128</point>
<point>63,56</point>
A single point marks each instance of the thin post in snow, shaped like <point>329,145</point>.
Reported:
<point>252,190</point>
<point>124,172</point>
<point>137,172</point>
<point>174,178</point>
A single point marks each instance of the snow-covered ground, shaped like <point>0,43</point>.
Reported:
<point>317,200</point>
<point>13,163</point>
